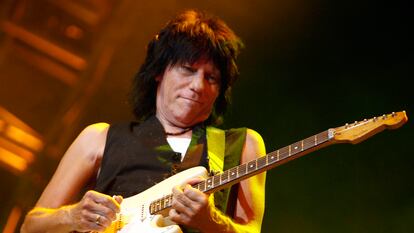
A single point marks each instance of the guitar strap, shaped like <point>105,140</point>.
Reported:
<point>224,150</point>
<point>216,140</point>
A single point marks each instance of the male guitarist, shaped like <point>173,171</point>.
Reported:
<point>181,89</point>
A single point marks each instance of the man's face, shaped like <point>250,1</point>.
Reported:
<point>186,93</point>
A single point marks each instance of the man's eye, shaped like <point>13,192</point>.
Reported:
<point>187,69</point>
<point>212,79</point>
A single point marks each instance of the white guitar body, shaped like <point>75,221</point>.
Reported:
<point>135,211</point>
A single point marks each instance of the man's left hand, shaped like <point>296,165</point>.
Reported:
<point>190,206</point>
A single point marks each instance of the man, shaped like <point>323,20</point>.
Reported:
<point>182,87</point>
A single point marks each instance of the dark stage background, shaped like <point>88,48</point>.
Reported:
<point>307,66</point>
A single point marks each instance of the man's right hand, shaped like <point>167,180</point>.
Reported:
<point>94,212</point>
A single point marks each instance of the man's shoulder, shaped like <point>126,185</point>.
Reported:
<point>102,129</point>
<point>95,130</point>
<point>253,136</point>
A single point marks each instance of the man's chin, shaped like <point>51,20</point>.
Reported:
<point>189,121</point>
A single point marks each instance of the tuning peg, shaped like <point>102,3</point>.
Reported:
<point>384,116</point>
<point>393,114</point>
<point>365,119</point>
<point>375,119</point>
<point>346,126</point>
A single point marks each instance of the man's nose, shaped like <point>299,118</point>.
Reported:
<point>198,81</point>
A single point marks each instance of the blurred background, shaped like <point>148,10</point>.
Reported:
<point>307,66</point>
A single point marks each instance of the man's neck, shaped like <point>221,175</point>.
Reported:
<point>172,130</point>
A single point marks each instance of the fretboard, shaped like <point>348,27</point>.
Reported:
<point>243,171</point>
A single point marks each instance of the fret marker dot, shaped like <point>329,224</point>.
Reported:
<point>296,147</point>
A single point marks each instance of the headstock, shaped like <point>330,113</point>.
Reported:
<point>361,130</point>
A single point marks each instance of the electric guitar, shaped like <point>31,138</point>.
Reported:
<point>147,212</point>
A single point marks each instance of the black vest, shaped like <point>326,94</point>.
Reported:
<point>138,156</point>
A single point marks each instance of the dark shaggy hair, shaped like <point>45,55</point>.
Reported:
<point>192,35</point>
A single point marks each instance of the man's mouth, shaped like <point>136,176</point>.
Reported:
<point>192,100</point>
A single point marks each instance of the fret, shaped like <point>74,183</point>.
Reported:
<point>242,169</point>
<point>316,140</point>
<point>216,180</point>
<point>284,152</point>
<point>164,202</point>
<point>202,186</point>
<point>209,184</point>
<point>296,148</point>
<point>160,204</point>
<point>251,166</point>
<point>322,137</point>
<point>308,143</point>
<point>325,136</point>
<point>278,155</point>
<point>167,201</point>
<point>157,205</point>
<point>290,151</point>
<point>271,158</point>
<point>225,176</point>
<point>196,186</point>
<point>154,206</point>
<point>261,162</point>
<point>233,173</point>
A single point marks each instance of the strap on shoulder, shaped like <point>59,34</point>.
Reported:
<point>216,148</point>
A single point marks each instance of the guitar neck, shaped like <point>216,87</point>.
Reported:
<point>251,168</point>
<point>349,133</point>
